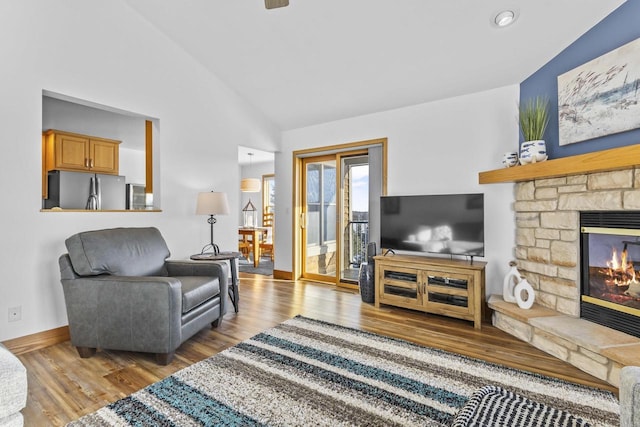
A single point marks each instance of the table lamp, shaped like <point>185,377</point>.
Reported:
<point>212,203</point>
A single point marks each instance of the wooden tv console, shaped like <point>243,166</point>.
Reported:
<point>435,285</point>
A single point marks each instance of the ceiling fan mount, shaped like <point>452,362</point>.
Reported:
<point>273,4</point>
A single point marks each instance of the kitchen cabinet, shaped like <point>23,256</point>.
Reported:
<point>435,285</point>
<point>68,151</point>
<point>75,152</point>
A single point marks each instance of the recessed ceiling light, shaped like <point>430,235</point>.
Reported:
<point>504,18</point>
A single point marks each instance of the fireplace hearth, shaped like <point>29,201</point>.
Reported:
<point>610,269</point>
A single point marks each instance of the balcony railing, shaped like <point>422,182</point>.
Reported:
<point>357,237</point>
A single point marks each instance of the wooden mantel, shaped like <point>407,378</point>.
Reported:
<point>598,161</point>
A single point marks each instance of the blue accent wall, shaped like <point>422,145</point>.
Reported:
<point>620,27</point>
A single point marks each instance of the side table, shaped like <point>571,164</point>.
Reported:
<point>231,257</point>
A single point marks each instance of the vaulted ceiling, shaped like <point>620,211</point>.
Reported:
<point>322,60</point>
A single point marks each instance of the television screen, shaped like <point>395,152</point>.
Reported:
<point>441,223</point>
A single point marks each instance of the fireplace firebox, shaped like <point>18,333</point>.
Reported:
<point>610,269</point>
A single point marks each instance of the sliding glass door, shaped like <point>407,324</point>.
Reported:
<point>335,212</point>
<point>319,223</point>
<point>336,216</point>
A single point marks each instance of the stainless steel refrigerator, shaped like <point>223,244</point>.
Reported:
<point>85,190</point>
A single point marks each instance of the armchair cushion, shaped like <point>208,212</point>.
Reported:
<point>196,290</point>
<point>119,252</point>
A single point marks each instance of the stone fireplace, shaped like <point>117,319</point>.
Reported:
<point>548,254</point>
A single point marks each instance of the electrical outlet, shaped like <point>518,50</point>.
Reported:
<point>15,313</point>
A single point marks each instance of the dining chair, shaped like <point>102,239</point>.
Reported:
<point>266,244</point>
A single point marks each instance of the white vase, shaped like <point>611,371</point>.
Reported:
<point>511,280</point>
<point>533,151</point>
<point>510,158</point>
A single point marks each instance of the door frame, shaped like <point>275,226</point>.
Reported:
<point>297,196</point>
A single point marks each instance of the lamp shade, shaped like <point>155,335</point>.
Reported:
<point>212,203</point>
<point>250,185</point>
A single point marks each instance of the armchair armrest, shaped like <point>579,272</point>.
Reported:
<point>124,312</point>
<point>219,269</point>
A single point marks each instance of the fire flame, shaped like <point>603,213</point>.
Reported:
<point>620,269</point>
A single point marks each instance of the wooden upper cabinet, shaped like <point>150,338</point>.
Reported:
<point>74,152</point>
<point>70,152</point>
<point>67,151</point>
<point>103,156</point>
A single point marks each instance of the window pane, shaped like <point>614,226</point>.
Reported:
<point>272,192</point>
<point>329,225</point>
<point>359,192</point>
<point>313,183</point>
<point>313,225</point>
<point>268,193</point>
<point>329,184</point>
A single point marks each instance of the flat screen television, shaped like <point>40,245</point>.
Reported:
<point>440,223</point>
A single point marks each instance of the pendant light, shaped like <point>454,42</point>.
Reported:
<point>250,185</point>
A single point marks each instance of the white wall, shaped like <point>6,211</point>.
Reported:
<point>105,53</point>
<point>437,147</point>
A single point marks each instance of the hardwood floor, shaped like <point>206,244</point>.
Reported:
<point>63,387</point>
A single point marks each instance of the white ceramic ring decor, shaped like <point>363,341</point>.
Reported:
<point>524,287</point>
<point>510,281</point>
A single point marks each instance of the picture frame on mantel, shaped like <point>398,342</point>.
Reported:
<point>600,97</point>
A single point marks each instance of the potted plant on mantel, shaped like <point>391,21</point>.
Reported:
<point>534,118</point>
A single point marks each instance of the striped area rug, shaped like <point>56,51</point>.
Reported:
<point>306,372</point>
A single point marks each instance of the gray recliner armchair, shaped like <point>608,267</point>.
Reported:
<point>122,293</point>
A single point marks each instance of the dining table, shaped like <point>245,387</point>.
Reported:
<point>257,234</point>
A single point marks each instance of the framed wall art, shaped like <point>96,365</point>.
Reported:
<point>600,97</point>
